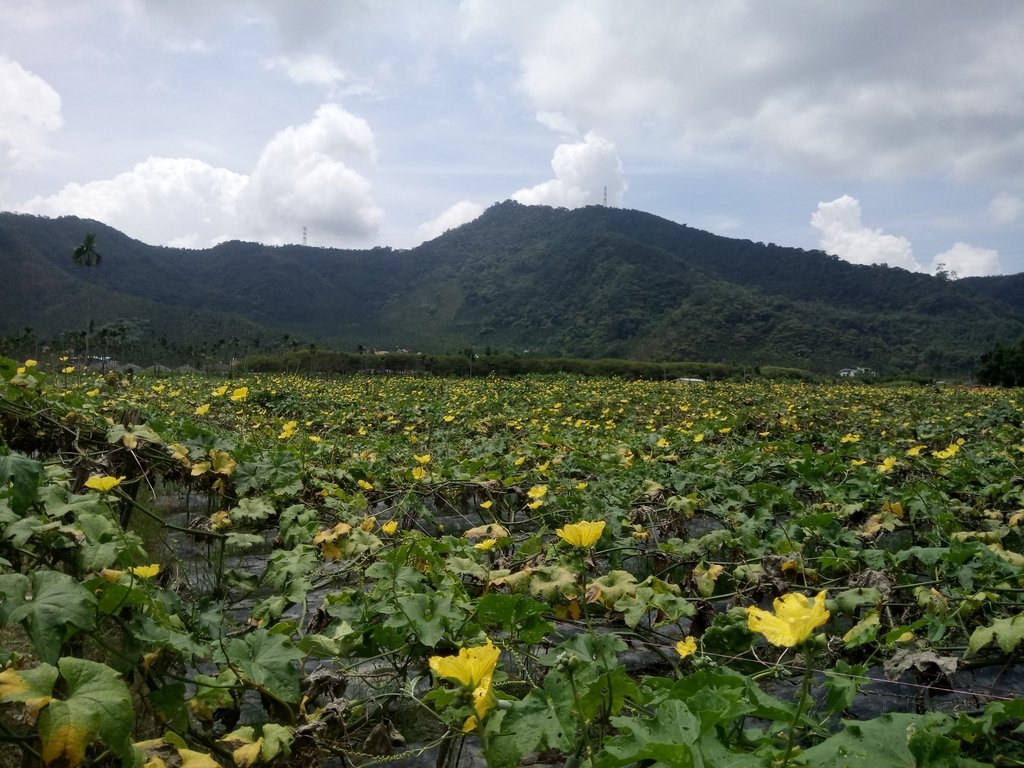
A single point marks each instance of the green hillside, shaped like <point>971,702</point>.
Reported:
<point>592,282</point>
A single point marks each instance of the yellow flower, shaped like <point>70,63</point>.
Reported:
<point>699,437</point>
<point>202,409</point>
<point>795,618</point>
<point>31,363</point>
<point>473,669</point>
<point>858,462</point>
<point>887,465</point>
<point>68,369</point>
<point>220,391</point>
<point>103,483</point>
<point>916,450</point>
<point>583,534</point>
<point>364,485</point>
<point>240,394</point>
<point>486,544</point>
<point>486,504</point>
<point>448,418</point>
<point>850,437</point>
<point>424,459</point>
<point>93,392</point>
<point>418,473</point>
<point>537,492</point>
<point>21,370</point>
<point>686,647</point>
<point>581,485</point>
<point>390,527</point>
<point>146,571</point>
<point>662,442</point>
<point>950,452</point>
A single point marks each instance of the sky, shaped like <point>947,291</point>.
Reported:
<point>878,131</point>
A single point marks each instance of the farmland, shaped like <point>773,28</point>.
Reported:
<point>590,571</point>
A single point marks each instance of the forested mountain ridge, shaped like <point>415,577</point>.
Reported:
<point>593,281</point>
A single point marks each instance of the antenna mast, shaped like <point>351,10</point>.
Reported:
<point>605,195</point>
<point>303,235</point>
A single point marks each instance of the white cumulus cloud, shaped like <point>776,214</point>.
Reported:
<point>843,234</point>
<point>968,261</point>
<point>307,175</point>
<point>29,110</point>
<point>583,172</point>
<point>462,212</point>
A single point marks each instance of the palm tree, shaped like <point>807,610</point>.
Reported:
<point>85,255</point>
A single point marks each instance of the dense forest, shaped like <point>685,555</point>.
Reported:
<point>523,280</point>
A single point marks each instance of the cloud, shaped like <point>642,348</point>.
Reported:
<point>460,213</point>
<point>968,261</point>
<point>866,89</point>
<point>29,110</point>
<point>1006,208</point>
<point>583,171</point>
<point>843,234</point>
<point>310,68</point>
<point>305,176</point>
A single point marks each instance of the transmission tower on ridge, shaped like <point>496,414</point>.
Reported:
<point>303,235</point>
<point>605,195</point>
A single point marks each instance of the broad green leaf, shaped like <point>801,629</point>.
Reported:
<point>253,510</point>
<point>863,631</point>
<point>881,743</point>
<point>51,606</point>
<point>529,725</point>
<point>670,738</point>
<point>19,478</point>
<point>98,706</point>
<point>1007,633</point>
<point>268,660</point>
<point>552,582</point>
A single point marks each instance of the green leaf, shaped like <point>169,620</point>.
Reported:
<point>27,684</point>
<point>19,478</point>
<point>98,705</point>
<point>670,738</point>
<point>252,511</point>
<point>1007,633</point>
<point>51,607</point>
<point>529,725</point>
<point>881,743</point>
<point>515,614</point>
<point>268,660</point>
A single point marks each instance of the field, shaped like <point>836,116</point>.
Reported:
<point>560,570</point>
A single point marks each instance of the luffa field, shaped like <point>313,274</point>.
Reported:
<point>285,569</point>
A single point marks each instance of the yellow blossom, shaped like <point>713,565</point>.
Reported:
<point>31,363</point>
<point>103,483</point>
<point>146,571</point>
<point>220,391</point>
<point>68,369</point>
<point>240,394</point>
<point>93,392</point>
<point>424,459</point>
<point>850,437</point>
<point>418,473</point>
<point>916,450</point>
<point>448,418</point>
<point>887,465</point>
<point>390,527</point>
<point>537,492</point>
<point>795,618</point>
<point>582,534</point>
<point>699,437</point>
<point>950,452</point>
<point>473,669</point>
<point>581,485</point>
<point>486,504</point>
<point>686,647</point>
<point>364,485</point>
<point>202,409</point>
<point>486,544</point>
<point>858,462</point>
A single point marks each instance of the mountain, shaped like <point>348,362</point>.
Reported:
<point>593,281</point>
